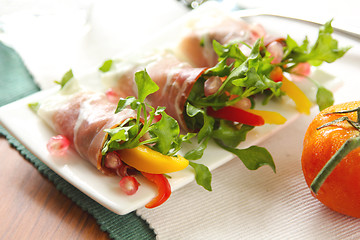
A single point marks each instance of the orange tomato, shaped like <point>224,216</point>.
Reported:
<point>341,189</point>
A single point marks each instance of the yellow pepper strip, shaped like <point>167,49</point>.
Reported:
<point>269,116</point>
<point>303,104</point>
<point>147,160</point>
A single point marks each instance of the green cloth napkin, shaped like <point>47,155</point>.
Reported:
<point>16,82</point>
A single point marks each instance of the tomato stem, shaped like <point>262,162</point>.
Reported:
<point>348,111</point>
<point>345,149</point>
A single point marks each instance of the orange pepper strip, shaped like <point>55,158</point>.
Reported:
<point>269,117</point>
<point>147,160</point>
<point>303,104</point>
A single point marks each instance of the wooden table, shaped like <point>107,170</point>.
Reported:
<point>32,208</point>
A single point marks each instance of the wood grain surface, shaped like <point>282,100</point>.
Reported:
<point>32,208</point>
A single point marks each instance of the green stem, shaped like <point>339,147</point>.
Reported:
<point>349,111</point>
<point>345,149</point>
<point>316,83</point>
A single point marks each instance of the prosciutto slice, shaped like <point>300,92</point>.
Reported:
<point>82,116</point>
<point>174,78</point>
<point>196,46</point>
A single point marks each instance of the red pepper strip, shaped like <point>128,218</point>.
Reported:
<point>236,115</point>
<point>164,189</point>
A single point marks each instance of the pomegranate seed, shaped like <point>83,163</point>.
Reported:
<point>257,31</point>
<point>211,85</point>
<point>301,71</point>
<point>125,170</point>
<point>112,160</point>
<point>157,118</point>
<point>276,51</point>
<point>243,103</point>
<point>58,145</point>
<point>129,185</point>
<point>112,96</point>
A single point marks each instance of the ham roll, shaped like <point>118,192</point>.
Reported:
<point>82,116</point>
<point>196,46</point>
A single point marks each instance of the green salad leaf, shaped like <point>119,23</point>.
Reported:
<point>252,157</point>
<point>145,84</point>
<point>325,49</point>
<point>34,106</point>
<point>324,98</point>
<point>202,175</point>
<point>229,134</point>
<point>67,76</point>
<point>106,66</point>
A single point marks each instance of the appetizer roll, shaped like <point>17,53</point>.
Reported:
<point>196,46</point>
<point>118,139</point>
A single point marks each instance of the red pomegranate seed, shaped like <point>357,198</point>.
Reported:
<point>112,160</point>
<point>112,96</point>
<point>125,170</point>
<point>129,185</point>
<point>276,51</point>
<point>301,71</point>
<point>257,31</point>
<point>157,118</point>
<point>243,103</point>
<point>58,145</point>
<point>211,85</point>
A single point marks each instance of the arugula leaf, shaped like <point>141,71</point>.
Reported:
<point>230,134</point>
<point>67,76</point>
<point>117,136</point>
<point>106,66</point>
<point>325,49</point>
<point>197,152</point>
<point>207,123</point>
<point>145,85</point>
<point>172,132</point>
<point>221,69</point>
<point>198,117</point>
<point>252,157</point>
<point>252,74</point>
<point>230,50</point>
<point>176,145</point>
<point>123,103</point>
<point>324,98</point>
<point>202,175</point>
<point>246,76</point>
<point>34,106</point>
<point>293,49</point>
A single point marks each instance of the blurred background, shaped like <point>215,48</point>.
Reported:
<point>55,35</point>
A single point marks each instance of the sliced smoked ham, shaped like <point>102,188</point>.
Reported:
<point>82,116</point>
<point>196,46</point>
